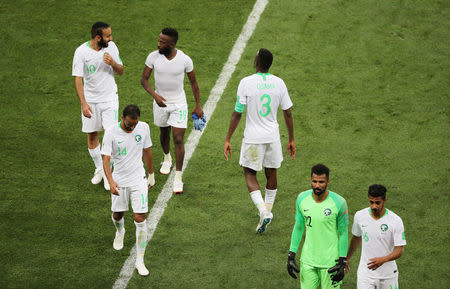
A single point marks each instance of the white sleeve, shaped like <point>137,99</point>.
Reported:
<point>188,64</point>
<point>147,138</point>
<point>107,144</point>
<point>286,102</point>
<point>115,54</point>
<point>78,65</point>
<point>150,61</point>
<point>241,93</point>
<point>356,230</point>
<point>399,234</point>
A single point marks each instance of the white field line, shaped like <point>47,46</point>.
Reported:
<point>216,92</point>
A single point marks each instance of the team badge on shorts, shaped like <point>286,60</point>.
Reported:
<point>327,212</point>
<point>138,138</point>
<point>384,227</point>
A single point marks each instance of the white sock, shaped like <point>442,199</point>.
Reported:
<point>258,201</point>
<point>120,225</point>
<point>167,157</point>
<point>178,175</point>
<point>269,198</point>
<point>96,157</point>
<point>141,240</point>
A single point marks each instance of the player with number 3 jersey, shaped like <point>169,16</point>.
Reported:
<point>262,93</point>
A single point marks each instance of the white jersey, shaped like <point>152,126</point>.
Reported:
<point>169,75</point>
<point>98,77</point>
<point>125,150</point>
<point>262,93</point>
<point>379,237</point>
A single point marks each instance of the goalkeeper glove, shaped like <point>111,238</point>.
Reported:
<point>339,269</point>
<point>199,123</point>
<point>291,266</point>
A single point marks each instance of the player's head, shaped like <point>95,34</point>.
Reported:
<point>263,60</point>
<point>167,40</point>
<point>320,178</point>
<point>101,32</point>
<point>130,117</point>
<point>377,198</point>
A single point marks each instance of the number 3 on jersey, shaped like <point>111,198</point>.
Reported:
<point>265,100</point>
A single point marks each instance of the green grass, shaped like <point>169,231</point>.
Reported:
<point>369,81</point>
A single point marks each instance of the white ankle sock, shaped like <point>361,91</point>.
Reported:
<point>178,175</point>
<point>141,240</point>
<point>120,225</point>
<point>167,158</point>
<point>258,201</point>
<point>96,157</point>
<point>269,198</point>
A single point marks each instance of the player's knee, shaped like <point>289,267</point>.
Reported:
<point>139,217</point>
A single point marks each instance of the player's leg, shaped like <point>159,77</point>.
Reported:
<point>119,205</point>
<point>160,119</point>
<point>178,122</point>
<point>139,201</point>
<point>273,156</point>
<point>309,276</point>
<point>271,187</point>
<point>178,140</point>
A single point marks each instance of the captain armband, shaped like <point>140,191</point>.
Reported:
<point>239,106</point>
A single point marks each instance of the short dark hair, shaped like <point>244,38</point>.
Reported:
<point>377,191</point>
<point>97,29</point>
<point>320,169</point>
<point>132,111</point>
<point>265,59</point>
<point>172,32</point>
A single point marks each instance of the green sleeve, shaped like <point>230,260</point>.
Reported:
<point>297,232</point>
<point>239,107</point>
<point>342,227</point>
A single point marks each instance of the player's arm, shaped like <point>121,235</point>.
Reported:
<point>378,261</point>
<point>108,59</point>
<point>296,238</point>
<point>114,187</point>
<point>146,85</point>
<point>354,244</point>
<point>290,127</point>
<point>342,229</point>
<point>147,153</point>
<point>196,91</point>
<point>234,122</point>
<point>85,108</point>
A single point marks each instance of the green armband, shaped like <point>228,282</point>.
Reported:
<point>239,106</point>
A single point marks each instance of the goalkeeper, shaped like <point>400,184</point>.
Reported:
<point>324,216</point>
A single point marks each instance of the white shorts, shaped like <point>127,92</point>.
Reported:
<point>365,282</point>
<point>172,115</point>
<point>256,156</point>
<point>137,194</point>
<point>104,114</point>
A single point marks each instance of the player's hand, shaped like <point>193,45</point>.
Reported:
<point>198,110</point>
<point>339,268</point>
<point>160,101</point>
<point>291,266</point>
<point>151,180</point>
<point>87,110</point>
<point>347,266</point>
<point>291,149</point>
<point>227,149</point>
<point>114,188</point>
<point>107,58</point>
<point>375,263</point>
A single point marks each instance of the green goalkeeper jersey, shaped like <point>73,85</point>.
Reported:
<point>326,224</point>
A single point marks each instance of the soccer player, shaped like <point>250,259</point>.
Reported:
<point>262,93</point>
<point>382,236</point>
<point>323,215</point>
<point>125,143</point>
<point>94,65</point>
<point>169,99</point>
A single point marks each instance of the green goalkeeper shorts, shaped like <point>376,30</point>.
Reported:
<point>311,277</point>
